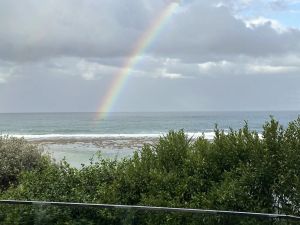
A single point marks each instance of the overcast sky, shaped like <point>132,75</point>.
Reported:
<point>62,55</point>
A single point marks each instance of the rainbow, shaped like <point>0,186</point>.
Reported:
<point>143,43</point>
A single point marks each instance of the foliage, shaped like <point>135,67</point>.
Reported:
<point>17,155</point>
<point>238,170</point>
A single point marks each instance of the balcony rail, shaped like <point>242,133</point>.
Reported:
<point>204,212</point>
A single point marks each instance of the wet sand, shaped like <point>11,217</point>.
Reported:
<point>78,151</point>
<point>101,142</point>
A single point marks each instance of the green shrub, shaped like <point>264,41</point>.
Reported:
<point>17,156</point>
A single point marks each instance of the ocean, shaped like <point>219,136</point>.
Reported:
<point>78,136</point>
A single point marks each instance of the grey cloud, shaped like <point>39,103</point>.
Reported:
<point>62,56</point>
<point>278,5</point>
<point>282,5</point>
<point>39,91</point>
<point>7,70</point>
<point>206,33</point>
<point>31,30</point>
<point>146,94</point>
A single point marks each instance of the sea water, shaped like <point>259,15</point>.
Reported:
<point>63,126</point>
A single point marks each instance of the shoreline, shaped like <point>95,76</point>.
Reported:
<point>101,143</point>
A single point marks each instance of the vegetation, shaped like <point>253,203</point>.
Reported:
<point>236,171</point>
<point>17,156</point>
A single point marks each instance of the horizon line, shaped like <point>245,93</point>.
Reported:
<point>162,111</point>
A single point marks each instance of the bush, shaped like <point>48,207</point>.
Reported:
<point>17,156</point>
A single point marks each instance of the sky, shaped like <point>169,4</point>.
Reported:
<point>213,55</point>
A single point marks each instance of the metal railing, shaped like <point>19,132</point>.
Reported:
<point>151,208</point>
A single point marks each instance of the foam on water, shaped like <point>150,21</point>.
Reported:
<point>207,135</point>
